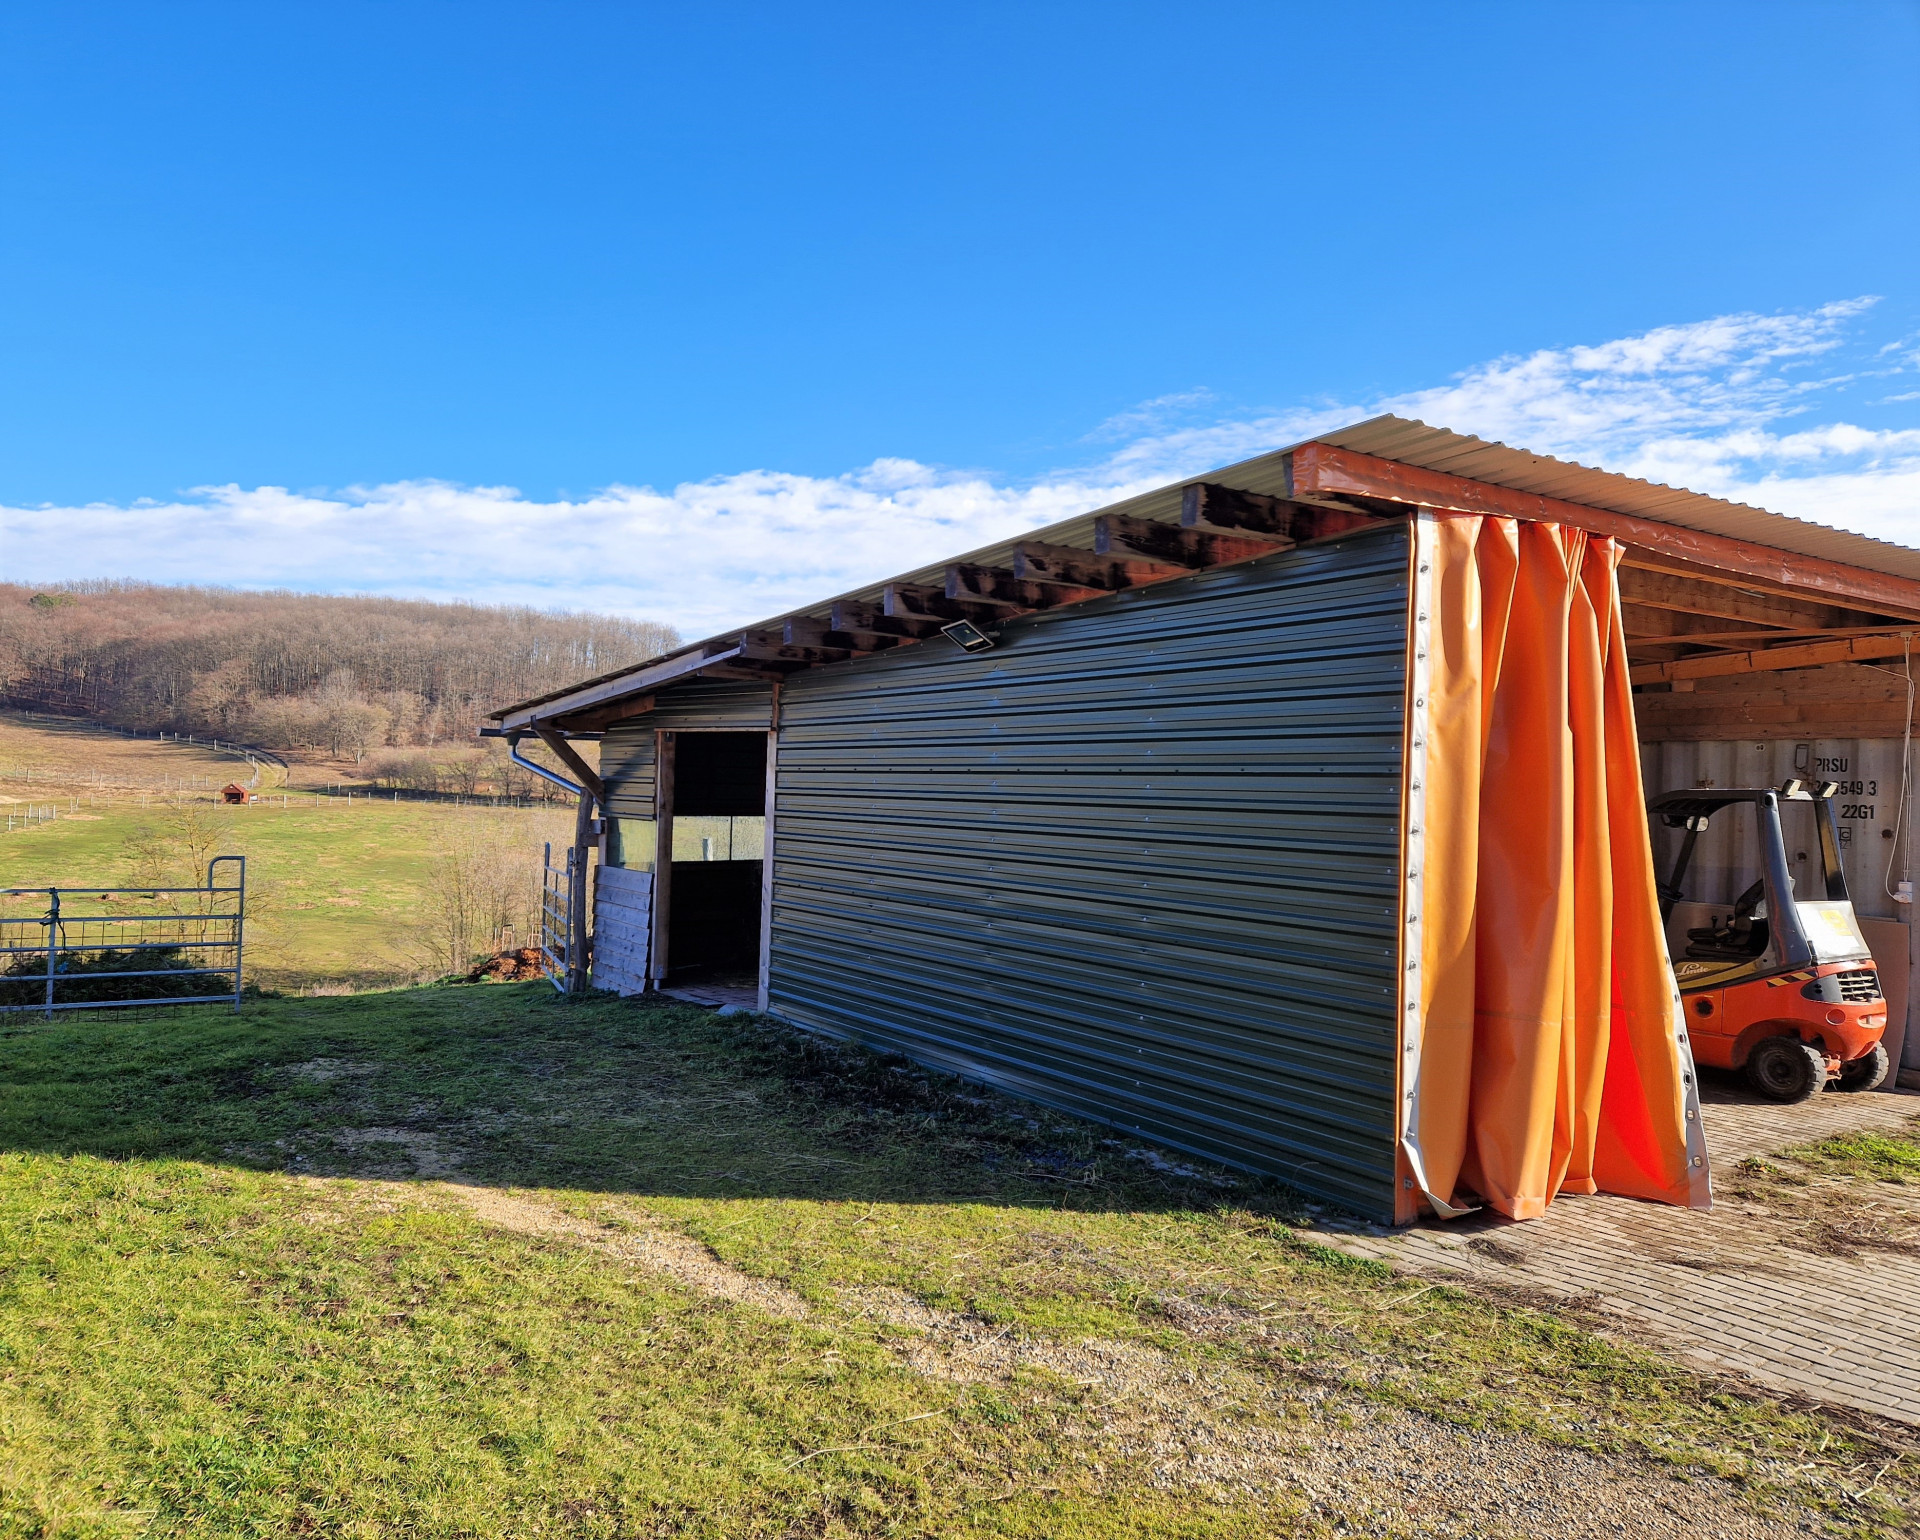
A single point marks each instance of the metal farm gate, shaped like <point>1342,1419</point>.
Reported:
<point>84,949</point>
<point>556,917</point>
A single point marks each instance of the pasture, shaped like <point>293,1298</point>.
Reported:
<point>338,886</point>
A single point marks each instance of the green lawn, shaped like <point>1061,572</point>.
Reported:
<point>697,1276</point>
<point>337,887</point>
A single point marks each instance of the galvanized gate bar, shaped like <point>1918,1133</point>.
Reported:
<point>53,938</point>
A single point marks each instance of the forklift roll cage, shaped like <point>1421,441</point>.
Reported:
<point>1788,945</point>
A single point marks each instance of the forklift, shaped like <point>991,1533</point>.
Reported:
<point>1776,984</point>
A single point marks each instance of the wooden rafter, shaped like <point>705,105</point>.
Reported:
<point>850,617</point>
<point>1120,536</point>
<point>1721,639</point>
<point>599,721</point>
<point>1651,590</point>
<point>1033,559</point>
<point>1801,655</point>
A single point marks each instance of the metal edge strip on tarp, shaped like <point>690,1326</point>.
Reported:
<point>1413,857</point>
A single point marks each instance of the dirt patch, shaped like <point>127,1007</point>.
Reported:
<point>659,1250</point>
<point>1207,1428</point>
<point>1828,1216</point>
<point>389,1147</point>
<point>322,1071</point>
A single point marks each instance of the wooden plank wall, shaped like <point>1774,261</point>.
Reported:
<point>622,923</point>
<point>1841,700</point>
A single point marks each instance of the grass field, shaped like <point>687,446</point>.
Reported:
<point>484,1261</point>
<point>337,886</point>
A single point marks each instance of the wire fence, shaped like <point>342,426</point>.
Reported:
<point>92,948</point>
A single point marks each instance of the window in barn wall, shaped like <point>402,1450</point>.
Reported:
<point>633,843</point>
<point>700,837</point>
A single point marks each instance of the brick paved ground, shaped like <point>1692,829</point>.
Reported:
<point>1745,1289</point>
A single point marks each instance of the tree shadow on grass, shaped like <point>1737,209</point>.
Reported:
<point>512,1085</point>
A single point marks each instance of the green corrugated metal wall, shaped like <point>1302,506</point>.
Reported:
<point>1140,861</point>
<point>626,753</point>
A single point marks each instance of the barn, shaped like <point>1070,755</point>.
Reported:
<point>1293,815</point>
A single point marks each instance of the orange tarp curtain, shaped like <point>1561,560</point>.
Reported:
<point>1548,1052</point>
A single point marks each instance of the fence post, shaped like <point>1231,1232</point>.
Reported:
<point>239,928</point>
<point>53,944</point>
<point>578,920</point>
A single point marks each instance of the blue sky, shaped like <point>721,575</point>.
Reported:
<point>782,299</point>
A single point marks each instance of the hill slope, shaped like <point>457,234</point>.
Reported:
<point>294,670</point>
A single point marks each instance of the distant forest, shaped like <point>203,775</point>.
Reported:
<point>295,671</point>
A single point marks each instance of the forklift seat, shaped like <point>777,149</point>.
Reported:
<point>1743,934</point>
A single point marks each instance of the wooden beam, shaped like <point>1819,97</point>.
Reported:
<point>1040,562</point>
<point>810,631</point>
<point>1801,655</point>
<point>999,585</point>
<point>1727,638</point>
<point>570,757</point>
<point>772,647</point>
<point>918,601</point>
<point>1326,469</point>
<point>746,671</point>
<point>1118,536</point>
<point>1205,505</point>
<point>1691,596</point>
<point>1685,719</point>
<point>599,721</point>
<point>851,617</point>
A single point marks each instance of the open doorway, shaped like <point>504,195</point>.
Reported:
<point>714,806</point>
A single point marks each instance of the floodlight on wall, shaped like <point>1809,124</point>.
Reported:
<point>968,637</point>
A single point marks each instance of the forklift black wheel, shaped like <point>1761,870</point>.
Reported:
<point>1784,1069</point>
<point>1866,1073</point>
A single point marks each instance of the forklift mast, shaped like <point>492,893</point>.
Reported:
<point>1788,945</point>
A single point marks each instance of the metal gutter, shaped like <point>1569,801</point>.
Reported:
<point>513,753</point>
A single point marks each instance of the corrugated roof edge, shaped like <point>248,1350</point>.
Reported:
<point>1412,443</point>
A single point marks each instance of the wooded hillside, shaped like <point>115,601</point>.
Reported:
<point>288,670</point>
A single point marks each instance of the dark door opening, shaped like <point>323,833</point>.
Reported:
<point>719,823</point>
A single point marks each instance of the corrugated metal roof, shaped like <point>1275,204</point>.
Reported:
<point>1477,459</point>
<point>1412,443</point>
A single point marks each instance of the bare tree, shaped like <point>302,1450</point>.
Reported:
<point>485,876</point>
<point>278,667</point>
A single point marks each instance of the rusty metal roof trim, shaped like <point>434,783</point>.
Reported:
<point>1476,459</point>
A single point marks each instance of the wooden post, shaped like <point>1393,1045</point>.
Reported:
<point>578,956</point>
<point>766,861</point>
<point>663,749</point>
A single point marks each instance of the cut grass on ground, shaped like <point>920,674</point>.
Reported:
<point>1872,1155</point>
<point>702,1276</point>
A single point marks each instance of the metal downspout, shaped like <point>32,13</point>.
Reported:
<point>578,956</point>
<point>513,753</point>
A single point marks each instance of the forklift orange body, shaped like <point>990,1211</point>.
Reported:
<point>1779,984</point>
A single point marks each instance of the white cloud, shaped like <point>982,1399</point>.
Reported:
<point>1734,405</point>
